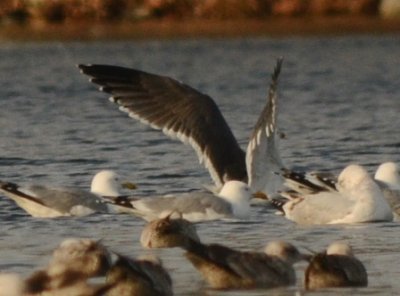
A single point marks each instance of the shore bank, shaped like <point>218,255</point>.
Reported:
<point>167,29</point>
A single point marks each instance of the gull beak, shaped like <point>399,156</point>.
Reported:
<point>260,195</point>
<point>129,185</point>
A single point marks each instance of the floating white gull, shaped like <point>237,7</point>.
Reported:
<point>46,202</point>
<point>337,267</point>
<point>233,201</point>
<point>184,113</point>
<point>388,173</point>
<point>355,198</point>
<point>388,178</point>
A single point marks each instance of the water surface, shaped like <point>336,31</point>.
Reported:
<point>339,104</point>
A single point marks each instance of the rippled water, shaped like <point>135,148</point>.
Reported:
<point>340,103</point>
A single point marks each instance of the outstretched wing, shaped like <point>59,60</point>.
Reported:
<point>179,111</point>
<point>262,155</point>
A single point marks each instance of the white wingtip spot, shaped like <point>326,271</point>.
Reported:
<point>124,109</point>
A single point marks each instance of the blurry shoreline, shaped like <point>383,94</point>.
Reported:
<point>182,29</point>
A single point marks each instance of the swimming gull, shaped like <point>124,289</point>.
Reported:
<point>226,268</point>
<point>47,202</point>
<point>388,178</point>
<point>337,267</point>
<point>232,202</point>
<point>388,173</point>
<point>167,232</point>
<point>183,112</point>
<point>142,276</point>
<point>355,198</point>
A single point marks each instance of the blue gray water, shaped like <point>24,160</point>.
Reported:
<point>339,104</point>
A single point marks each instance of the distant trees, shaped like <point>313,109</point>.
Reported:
<point>59,11</point>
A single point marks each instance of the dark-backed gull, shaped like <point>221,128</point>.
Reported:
<point>183,112</point>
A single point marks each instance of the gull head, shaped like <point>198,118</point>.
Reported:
<point>235,191</point>
<point>238,194</point>
<point>285,251</point>
<point>339,248</point>
<point>106,183</point>
<point>388,173</point>
<point>353,177</point>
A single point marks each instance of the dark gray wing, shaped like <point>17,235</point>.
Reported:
<point>179,111</point>
<point>262,155</point>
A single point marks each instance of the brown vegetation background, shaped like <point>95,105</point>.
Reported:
<point>77,19</point>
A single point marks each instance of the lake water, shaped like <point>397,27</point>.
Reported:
<point>339,104</point>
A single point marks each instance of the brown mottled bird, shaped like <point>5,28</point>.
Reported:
<point>142,276</point>
<point>168,232</point>
<point>336,267</point>
<point>73,262</point>
<point>226,268</point>
<point>223,267</point>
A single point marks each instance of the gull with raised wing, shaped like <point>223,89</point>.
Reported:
<point>47,202</point>
<point>183,112</point>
